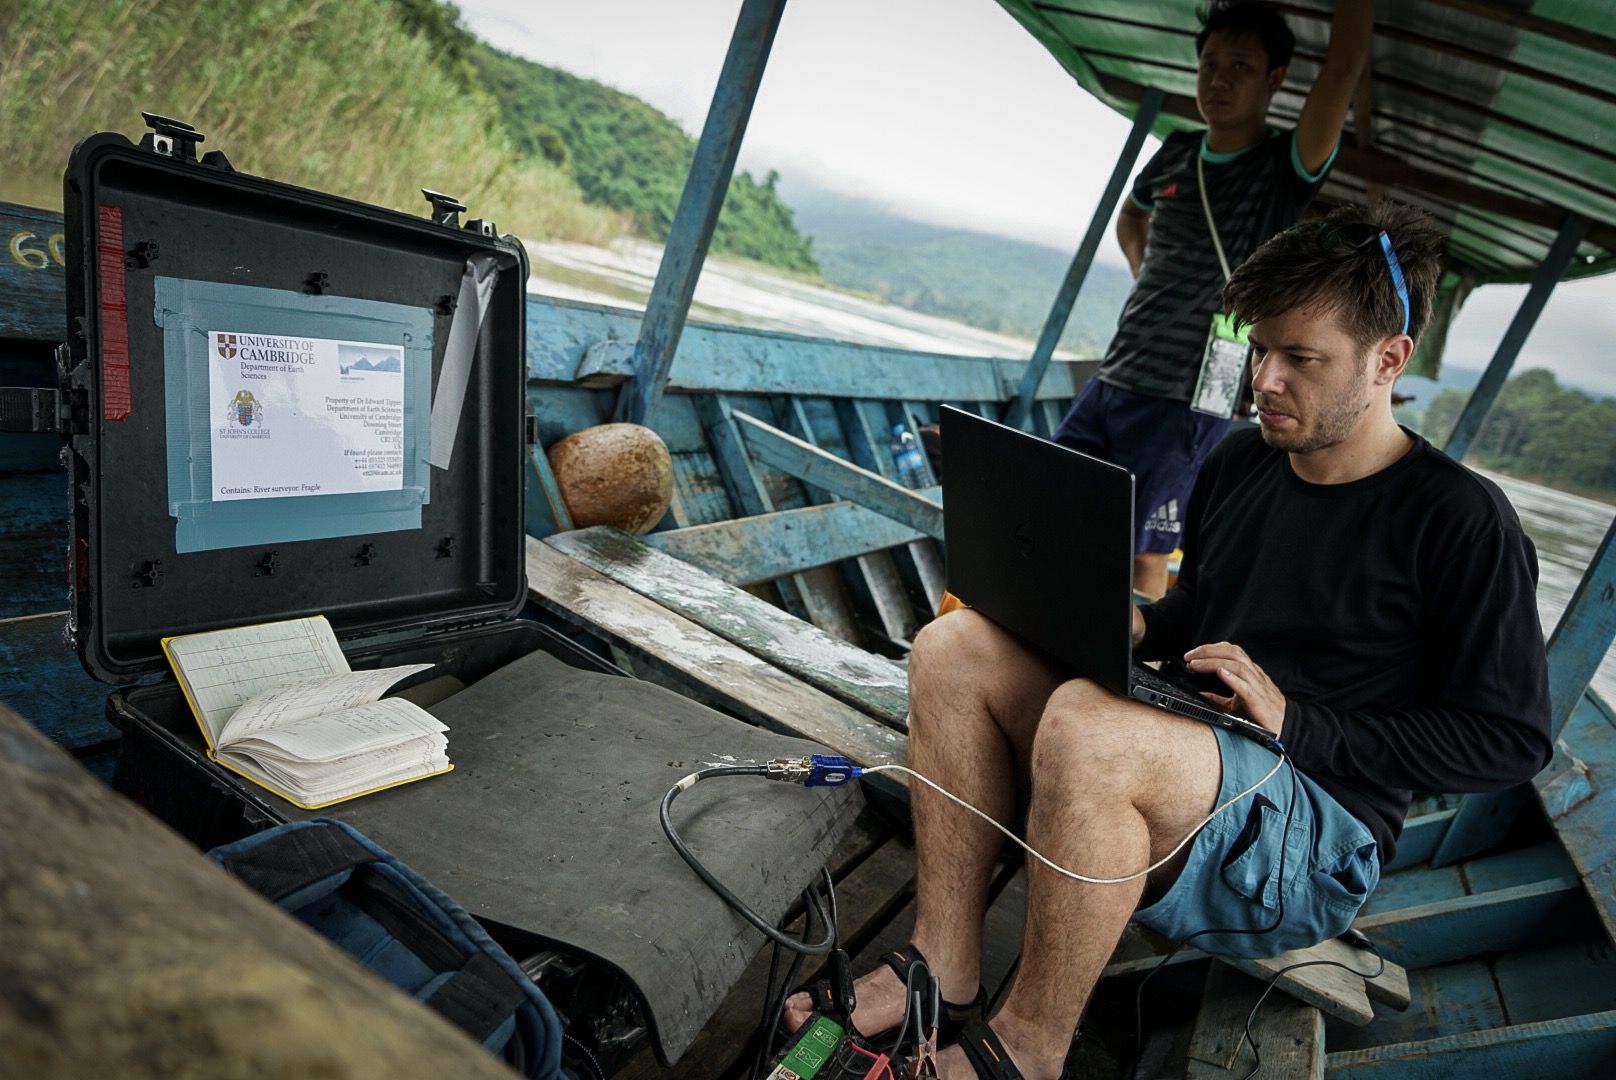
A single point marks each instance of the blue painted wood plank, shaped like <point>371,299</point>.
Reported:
<point>1538,862</point>
<point>1569,1049</point>
<point>1408,888</point>
<point>1149,106</point>
<point>1565,980</point>
<point>874,577</point>
<point>33,540</point>
<point>546,510</point>
<point>42,680</point>
<point>1450,999</point>
<point>737,360</point>
<point>699,490</point>
<point>1480,823</point>
<point>1420,836</point>
<point>562,410</point>
<point>33,274</point>
<point>748,550</point>
<point>1587,827</point>
<point>748,492</point>
<point>797,458</point>
<point>1455,929</point>
<point>699,206</point>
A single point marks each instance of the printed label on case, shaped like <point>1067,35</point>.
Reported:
<point>304,416</point>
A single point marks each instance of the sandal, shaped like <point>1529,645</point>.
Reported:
<point>988,1056</point>
<point>955,1017</point>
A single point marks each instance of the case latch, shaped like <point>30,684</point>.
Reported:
<point>446,209</point>
<point>42,410</point>
<point>171,138</point>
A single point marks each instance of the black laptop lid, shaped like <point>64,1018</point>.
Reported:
<point>1040,540</point>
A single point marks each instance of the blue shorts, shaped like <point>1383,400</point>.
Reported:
<point>1161,442</point>
<point>1231,882</point>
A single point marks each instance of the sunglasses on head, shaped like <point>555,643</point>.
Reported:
<point>1357,235</point>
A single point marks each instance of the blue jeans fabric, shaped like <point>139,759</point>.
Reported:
<point>1232,883</point>
<point>1161,442</point>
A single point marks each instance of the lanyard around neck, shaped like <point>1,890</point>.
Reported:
<point>1212,226</point>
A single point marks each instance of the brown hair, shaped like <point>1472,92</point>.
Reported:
<point>1338,261</point>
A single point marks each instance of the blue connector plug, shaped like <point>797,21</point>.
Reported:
<point>826,770</point>
<point>821,770</point>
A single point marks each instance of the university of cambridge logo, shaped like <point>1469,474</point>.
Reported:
<point>244,409</point>
<point>227,347</point>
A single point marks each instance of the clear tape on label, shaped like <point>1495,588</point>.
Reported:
<point>185,311</point>
<point>476,291</point>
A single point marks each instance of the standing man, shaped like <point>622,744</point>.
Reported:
<point>1137,410</point>
<point>1351,589</point>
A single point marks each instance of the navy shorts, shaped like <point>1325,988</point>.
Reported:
<point>1232,882</point>
<point>1161,442</point>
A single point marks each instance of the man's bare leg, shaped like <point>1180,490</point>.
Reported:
<point>1150,573</point>
<point>1116,785</point>
<point>976,693</point>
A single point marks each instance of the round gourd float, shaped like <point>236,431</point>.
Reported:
<point>614,474</point>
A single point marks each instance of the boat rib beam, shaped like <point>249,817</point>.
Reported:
<point>706,185</point>
<point>1548,275</point>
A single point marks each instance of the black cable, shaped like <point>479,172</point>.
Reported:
<point>819,948</point>
<point>1279,917</point>
<point>1274,980</point>
<point>775,1000</point>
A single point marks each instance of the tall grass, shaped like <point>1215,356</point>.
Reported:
<point>328,94</point>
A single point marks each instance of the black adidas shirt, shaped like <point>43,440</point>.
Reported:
<point>1254,193</point>
<point>1397,614</point>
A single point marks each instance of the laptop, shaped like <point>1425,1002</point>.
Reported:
<point>1040,540</point>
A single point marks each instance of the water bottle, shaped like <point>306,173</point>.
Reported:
<point>912,471</point>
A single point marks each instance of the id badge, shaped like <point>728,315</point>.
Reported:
<point>1223,367</point>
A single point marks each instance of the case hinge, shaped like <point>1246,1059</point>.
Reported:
<point>42,409</point>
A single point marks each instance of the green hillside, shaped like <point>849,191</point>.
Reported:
<point>984,280</point>
<point>1538,430</point>
<point>340,97</point>
<point>628,156</point>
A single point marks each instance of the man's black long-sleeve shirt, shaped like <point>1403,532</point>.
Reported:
<point>1396,613</point>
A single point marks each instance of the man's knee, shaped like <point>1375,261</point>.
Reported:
<point>1089,734</point>
<point>962,647</point>
<point>1074,717</point>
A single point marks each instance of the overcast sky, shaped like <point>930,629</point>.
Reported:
<point>946,110</point>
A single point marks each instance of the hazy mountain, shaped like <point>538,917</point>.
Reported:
<point>978,278</point>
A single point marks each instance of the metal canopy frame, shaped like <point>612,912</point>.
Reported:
<point>1491,117</point>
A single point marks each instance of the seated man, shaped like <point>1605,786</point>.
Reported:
<point>1353,590</point>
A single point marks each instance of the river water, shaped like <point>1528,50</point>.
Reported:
<point>1565,528</point>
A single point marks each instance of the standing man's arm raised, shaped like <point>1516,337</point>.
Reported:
<point>1325,110</point>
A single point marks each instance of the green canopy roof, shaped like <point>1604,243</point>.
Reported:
<point>1498,116</point>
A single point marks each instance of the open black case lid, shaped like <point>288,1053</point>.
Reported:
<point>284,404</point>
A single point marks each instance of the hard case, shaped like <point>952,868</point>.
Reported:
<point>166,252</point>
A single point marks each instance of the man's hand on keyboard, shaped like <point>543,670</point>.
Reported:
<point>1253,694</point>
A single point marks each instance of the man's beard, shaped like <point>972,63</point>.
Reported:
<point>1335,420</point>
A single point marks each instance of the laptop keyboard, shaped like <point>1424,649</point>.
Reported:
<point>1148,678</point>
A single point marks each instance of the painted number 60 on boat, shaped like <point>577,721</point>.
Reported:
<point>26,250</point>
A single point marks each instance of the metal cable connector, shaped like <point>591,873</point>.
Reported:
<point>821,770</point>
<point>789,770</point>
